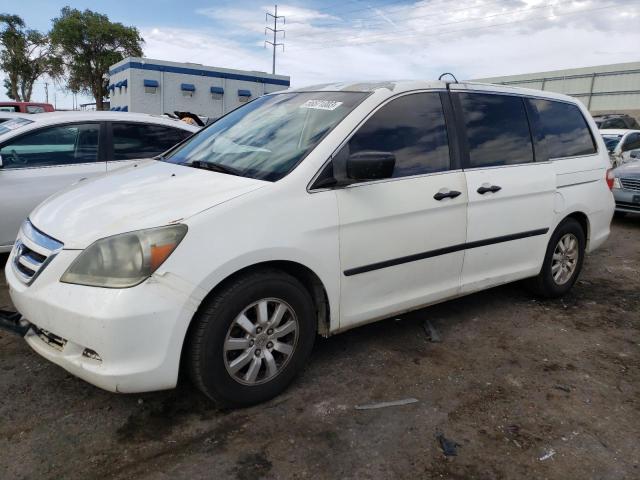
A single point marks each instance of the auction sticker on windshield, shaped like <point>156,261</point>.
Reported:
<point>321,104</point>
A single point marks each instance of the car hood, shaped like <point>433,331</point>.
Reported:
<point>628,170</point>
<point>150,194</point>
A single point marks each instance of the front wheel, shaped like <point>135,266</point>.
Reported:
<point>563,260</point>
<point>250,340</point>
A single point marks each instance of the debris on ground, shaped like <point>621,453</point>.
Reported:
<point>394,403</point>
<point>449,447</point>
<point>564,388</point>
<point>431,332</point>
<point>547,455</point>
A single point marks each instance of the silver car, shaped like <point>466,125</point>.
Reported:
<point>43,153</point>
<point>626,188</point>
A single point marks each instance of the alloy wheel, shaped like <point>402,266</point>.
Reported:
<point>261,341</point>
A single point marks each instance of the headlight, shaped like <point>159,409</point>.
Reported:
<point>124,260</point>
<point>616,183</point>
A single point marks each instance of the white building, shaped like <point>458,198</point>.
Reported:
<point>603,89</point>
<point>155,86</point>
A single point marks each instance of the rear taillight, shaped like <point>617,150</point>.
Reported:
<point>609,178</point>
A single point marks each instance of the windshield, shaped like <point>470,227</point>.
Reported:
<point>611,141</point>
<point>269,136</point>
<point>12,124</point>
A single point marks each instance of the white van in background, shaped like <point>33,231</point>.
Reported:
<point>308,211</point>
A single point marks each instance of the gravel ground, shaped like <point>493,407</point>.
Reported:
<point>526,388</point>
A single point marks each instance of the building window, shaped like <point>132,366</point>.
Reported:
<point>150,86</point>
<point>217,93</point>
<point>244,96</point>
<point>187,89</point>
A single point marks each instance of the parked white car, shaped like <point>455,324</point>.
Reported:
<point>623,145</point>
<point>310,211</point>
<point>41,154</point>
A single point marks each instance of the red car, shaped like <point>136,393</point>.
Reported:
<point>26,107</point>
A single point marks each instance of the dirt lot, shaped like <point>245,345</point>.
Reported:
<point>527,388</point>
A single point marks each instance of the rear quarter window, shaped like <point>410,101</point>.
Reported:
<point>561,129</point>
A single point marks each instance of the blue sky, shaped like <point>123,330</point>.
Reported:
<point>365,40</point>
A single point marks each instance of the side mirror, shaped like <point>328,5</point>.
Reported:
<point>370,165</point>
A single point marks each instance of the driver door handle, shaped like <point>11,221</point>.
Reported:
<point>442,194</point>
<point>485,188</point>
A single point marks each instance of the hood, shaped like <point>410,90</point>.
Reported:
<point>628,170</point>
<point>151,194</point>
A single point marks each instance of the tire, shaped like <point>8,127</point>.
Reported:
<point>618,214</point>
<point>545,284</point>
<point>259,296</point>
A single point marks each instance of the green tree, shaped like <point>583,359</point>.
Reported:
<point>87,44</point>
<point>25,56</point>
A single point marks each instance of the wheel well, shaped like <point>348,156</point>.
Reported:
<point>582,219</point>
<point>304,275</point>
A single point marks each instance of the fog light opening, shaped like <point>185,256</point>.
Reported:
<point>92,354</point>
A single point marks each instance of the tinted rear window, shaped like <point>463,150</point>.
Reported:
<point>497,129</point>
<point>562,129</point>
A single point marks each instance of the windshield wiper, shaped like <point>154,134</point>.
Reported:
<point>215,167</point>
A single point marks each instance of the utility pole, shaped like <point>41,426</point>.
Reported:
<point>46,91</point>
<point>275,31</point>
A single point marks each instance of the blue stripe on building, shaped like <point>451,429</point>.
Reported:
<point>197,72</point>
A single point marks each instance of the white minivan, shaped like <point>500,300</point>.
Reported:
<point>306,212</point>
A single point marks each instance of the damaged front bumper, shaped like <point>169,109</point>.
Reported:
<point>13,322</point>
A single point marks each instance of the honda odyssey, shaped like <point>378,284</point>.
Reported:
<point>307,212</point>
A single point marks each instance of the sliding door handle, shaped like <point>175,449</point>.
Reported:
<point>486,188</point>
<point>444,193</point>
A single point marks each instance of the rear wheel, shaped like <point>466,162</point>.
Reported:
<point>563,260</point>
<point>252,338</point>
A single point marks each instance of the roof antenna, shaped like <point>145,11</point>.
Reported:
<point>447,73</point>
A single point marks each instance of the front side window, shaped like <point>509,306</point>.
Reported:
<point>412,128</point>
<point>497,129</point>
<point>562,129</point>
<point>140,140</point>
<point>61,145</point>
<point>268,137</point>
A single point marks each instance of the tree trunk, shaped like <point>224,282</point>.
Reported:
<point>27,90</point>
<point>97,95</point>
<point>13,82</point>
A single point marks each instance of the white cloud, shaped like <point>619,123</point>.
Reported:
<point>414,41</point>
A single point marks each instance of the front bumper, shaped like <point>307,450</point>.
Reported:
<point>625,200</point>
<point>122,340</point>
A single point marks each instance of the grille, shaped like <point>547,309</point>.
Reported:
<point>628,206</point>
<point>32,252</point>
<point>631,184</point>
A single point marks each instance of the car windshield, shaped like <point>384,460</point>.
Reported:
<point>13,124</point>
<point>611,141</point>
<point>269,136</point>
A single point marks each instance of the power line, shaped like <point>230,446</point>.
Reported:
<point>437,34</point>
<point>275,31</point>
